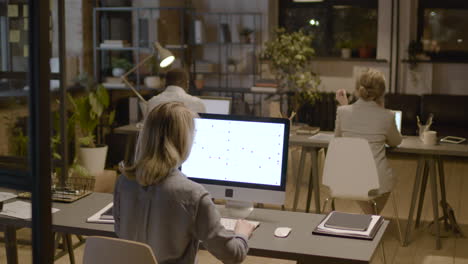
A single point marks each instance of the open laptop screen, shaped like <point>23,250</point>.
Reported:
<point>398,117</point>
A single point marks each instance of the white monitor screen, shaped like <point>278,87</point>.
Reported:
<point>241,153</point>
<point>217,105</point>
<point>398,117</point>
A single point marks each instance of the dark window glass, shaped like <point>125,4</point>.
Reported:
<point>444,32</point>
<point>442,29</point>
<point>334,25</point>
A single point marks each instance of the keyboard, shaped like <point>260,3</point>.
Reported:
<point>230,223</point>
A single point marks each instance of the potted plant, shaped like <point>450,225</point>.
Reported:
<point>231,65</point>
<point>246,34</point>
<point>120,66</point>
<point>153,80</point>
<point>289,54</point>
<point>90,110</point>
<point>344,44</point>
<point>199,81</point>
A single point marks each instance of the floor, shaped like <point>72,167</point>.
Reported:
<point>422,247</point>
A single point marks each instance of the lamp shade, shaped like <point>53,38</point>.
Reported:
<point>165,56</point>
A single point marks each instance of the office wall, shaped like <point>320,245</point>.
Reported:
<point>425,78</point>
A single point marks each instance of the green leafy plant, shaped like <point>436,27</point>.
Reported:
<point>343,41</point>
<point>121,63</point>
<point>231,61</point>
<point>18,140</point>
<point>289,54</point>
<point>415,49</point>
<point>75,168</point>
<point>89,110</point>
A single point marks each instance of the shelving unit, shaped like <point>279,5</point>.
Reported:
<point>147,24</point>
<point>222,42</point>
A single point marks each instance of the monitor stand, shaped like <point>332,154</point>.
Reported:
<point>237,209</point>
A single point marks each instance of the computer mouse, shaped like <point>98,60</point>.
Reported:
<point>282,231</point>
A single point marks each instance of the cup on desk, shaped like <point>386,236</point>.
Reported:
<point>429,137</point>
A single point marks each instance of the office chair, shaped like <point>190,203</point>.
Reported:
<point>350,172</point>
<point>117,251</point>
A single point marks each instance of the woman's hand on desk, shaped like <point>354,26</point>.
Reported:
<point>244,228</point>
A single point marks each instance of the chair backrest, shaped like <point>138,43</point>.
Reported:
<point>350,171</point>
<point>116,251</point>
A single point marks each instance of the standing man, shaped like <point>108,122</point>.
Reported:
<point>177,85</point>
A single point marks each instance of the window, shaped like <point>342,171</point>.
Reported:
<point>442,29</point>
<point>335,24</point>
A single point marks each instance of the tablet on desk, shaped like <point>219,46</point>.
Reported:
<point>452,139</point>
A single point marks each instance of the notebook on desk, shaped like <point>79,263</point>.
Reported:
<point>103,216</point>
<point>349,225</point>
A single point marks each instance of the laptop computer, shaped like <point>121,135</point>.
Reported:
<point>217,105</point>
<point>398,118</point>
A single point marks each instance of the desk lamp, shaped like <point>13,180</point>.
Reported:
<point>165,56</point>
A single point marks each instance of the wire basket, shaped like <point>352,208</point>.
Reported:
<point>75,188</point>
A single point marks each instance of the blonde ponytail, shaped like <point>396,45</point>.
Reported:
<point>370,86</point>
<point>163,144</point>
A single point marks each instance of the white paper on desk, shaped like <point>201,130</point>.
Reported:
<point>96,218</point>
<point>322,137</point>
<point>7,196</point>
<point>19,209</point>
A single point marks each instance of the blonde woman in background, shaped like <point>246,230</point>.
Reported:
<point>156,204</point>
<point>367,118</point>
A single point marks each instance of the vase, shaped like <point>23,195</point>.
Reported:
<point>365,52</point>
<point>231,68</point>
<point>93,159</point>
<point>199,84</point>
<point>117,72</point>
<point>153,82</point>
<point>345,53</point>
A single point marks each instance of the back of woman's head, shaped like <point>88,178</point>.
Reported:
<point>370,86</point>
<point>163,144</point>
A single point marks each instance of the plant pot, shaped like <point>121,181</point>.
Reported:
<point>231,68</point>
<point>117,72</point>
<point>93,159</point>
<point>345,53</point>
<point>153,82</point>
<point>199,84</point>
<point>365,52</point>
<point>246,39</point>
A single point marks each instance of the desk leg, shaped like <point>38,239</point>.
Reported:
<point>440,165</point>
<point>422,193</point>
<point>11,246</point>
<point>435,202</point>
<point>414,195</point>
<point>67,241</point>
<point>314,183</point>
<point>298,177</point>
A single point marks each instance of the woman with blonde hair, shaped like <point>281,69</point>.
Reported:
<point>367,118</point>
<point>156,204</point>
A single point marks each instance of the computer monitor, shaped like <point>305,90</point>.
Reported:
<point>398,117</point>
<point>241,159</point>
<point>217,105</point>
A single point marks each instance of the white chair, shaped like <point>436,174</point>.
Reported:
<point>100,250</point>
<point>351,173</point>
